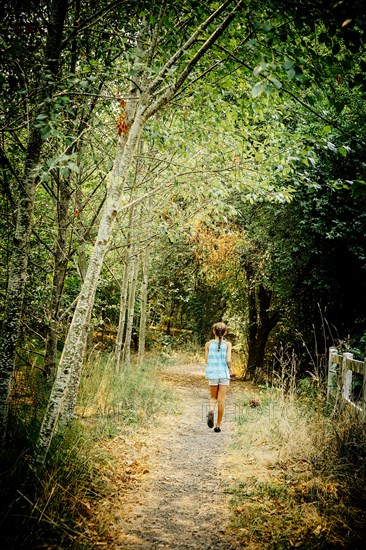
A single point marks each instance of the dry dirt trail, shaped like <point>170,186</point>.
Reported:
<point>180,502</point>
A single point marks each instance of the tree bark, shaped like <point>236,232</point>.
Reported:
<point>19,262</point>
<point>132,283</point>
<point>261,323</point>
<point>124,294</point>
<point>122,316</point>
<point>72,355</point>
<point>144,285</point>
<point>74,375</point>
<point>61,257</point>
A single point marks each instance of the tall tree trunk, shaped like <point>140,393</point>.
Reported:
<point>132,283</point>
<point>72,384</point>
<point>73,352</point>
<point>124,293</point>
<point>144,285</point>
<point>61,257</point>
<point>19,262</point>
<point>261,323</point>
<point>122,315</point>
<point>133,273</point>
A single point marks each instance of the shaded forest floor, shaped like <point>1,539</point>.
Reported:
<point>176,484</point>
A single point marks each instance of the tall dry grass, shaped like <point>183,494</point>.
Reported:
<point>52,510</point>
<point>298,474</point>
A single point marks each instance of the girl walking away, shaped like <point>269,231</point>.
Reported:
<point>218,372</point>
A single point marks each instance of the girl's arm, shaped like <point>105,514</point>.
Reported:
<point>228,357</point>
<point>206,351</point>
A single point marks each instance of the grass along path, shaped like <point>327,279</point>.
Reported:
<point>178,485</point>
<point>180,502</point>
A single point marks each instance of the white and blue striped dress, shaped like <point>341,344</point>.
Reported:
<point>217,366</point>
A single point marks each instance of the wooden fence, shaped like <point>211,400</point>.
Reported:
<point>347,379</point>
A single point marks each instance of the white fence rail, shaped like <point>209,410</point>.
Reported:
<point>347,378</point>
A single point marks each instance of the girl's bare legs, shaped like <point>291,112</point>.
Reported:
<point>221,394</point>
<point>213,397</point>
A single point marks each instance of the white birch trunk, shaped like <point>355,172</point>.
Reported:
<point>131,308</point>
<point>72,386</point>
<point>124,292</point>
<point>132,271</point>
<point>144,286</point>
<point>122,315</point>
<point>72,355</point>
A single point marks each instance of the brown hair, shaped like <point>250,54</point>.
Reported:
<point>219,329</point>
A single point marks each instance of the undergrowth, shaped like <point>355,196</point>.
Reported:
<point>305,486</point>
<point>52,510</point>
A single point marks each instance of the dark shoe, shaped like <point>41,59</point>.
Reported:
<point>217,429</point>
<point>210,419</point>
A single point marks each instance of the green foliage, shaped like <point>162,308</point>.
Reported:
<point>235,137</point>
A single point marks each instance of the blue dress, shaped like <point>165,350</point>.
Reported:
<point>217,366</point>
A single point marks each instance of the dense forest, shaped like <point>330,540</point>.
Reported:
<point>169,164</point>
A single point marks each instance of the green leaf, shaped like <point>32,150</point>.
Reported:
<point>342,151</point>
<point>65,171</point>
<point>46,133</point>
<point>326,130</point>
<point>275,82</point>
<point>73,167</point>
<point>258,89</point>
<point>287,65</point>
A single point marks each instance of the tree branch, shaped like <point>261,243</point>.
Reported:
<point>164,98</point>
<point>90,21</point>
<point>182,50</point>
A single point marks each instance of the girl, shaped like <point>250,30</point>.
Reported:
<point>218,372</point>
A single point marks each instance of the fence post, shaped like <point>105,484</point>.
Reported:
<point>332,372</point>
<point>346,377</point>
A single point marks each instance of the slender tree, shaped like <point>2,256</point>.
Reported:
<point>24,223</point>
<point>145,282</point>
<point>124,287</point>
<point>132,285</point>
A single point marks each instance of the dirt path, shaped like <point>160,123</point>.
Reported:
<point>180,503</point>
<point>178,485</point>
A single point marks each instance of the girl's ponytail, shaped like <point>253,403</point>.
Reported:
<point>219,329</point>
<point>220,338</point>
